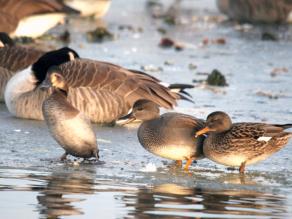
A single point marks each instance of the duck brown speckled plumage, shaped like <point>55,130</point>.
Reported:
<point>241,144</point>
<point>171,135</point>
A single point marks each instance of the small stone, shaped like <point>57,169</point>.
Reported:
<point>65,37</point>
<point>266,36</point>
<point>170,20</point>
<point>23,40</point>
<point>166,43</point>
<point>216,78</point>
<point>179,47</point>
<point>169,62</point>
<point>220,41</point>
<point>100,34</point>
<point>161,30</point>
<point>151,68</point>
<point>192,66</point>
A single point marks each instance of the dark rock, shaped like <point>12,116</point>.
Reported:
<point>166,43</point>
<point>216,78</point>
<point>23,40</point>
<point>100,34</point>
<point>269,37</point>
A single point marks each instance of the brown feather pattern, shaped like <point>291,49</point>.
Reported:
<point>12,11</point>
<point>242,140</point>
<point>129,85</point>
<point>172,130</point>
<point>16,58</point>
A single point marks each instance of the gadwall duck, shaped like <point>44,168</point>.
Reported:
<point>241,144</point>
<point>171,135</point>
<point>68,126</point>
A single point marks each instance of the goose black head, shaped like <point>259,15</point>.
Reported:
<point>52,58</point>
<point>217,122</point>
<point>5,40</point>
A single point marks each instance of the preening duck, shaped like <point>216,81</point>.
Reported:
<point>241,144</point>
<point>14,58</point>
<point>31,18</point>
<point>102,91</point>
<point>171,135</point>
<point>69,127</point>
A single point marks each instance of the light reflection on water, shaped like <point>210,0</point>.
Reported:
<point>71,192</point>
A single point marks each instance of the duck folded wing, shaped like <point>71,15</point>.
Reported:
<point>16,58</point>
<point>276,130</point>
<point>257,131</point>
<point>179,120</point>
<point>24,8</point>
<point>132,86</point>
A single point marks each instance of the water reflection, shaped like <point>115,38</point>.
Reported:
<point>75,191</point>
<point>171,201</point>
<point>55,198</point>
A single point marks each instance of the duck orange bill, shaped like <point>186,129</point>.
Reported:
<point>203,131</point>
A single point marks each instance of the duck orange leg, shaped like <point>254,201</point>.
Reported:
<point>242,168</point>
<point>189,162</point>
<point>178,163</point>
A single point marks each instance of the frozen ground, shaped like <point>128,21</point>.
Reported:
<point>34,184</point>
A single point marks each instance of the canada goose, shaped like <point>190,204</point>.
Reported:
<point>241,144</point>
<point>5,40</point>
<point>97,8</point>
<point>69,127</point>
<point>102,91</point>
<point>266,11</point>
<point>14,58</point>
<point>31,18</point>
<point>171,135</point>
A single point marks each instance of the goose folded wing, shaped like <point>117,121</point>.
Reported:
<point>16,58</point>
<point>8,22</point>
<point>24,8</point>
<point>132,86</point>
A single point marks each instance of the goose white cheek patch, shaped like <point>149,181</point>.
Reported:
<point>263,138</point>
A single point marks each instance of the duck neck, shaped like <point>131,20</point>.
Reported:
<point>61,91</point>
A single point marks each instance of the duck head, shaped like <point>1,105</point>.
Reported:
<point>217,122</point>
<point>52,58</point>
<point>55,79</point>
<point>143,110</point>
